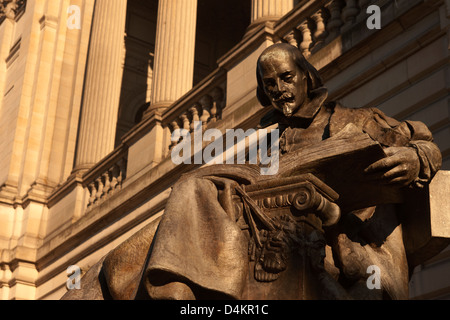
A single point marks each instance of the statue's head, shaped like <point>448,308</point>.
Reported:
<point>286,80</point>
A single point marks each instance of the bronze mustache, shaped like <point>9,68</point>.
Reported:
<point>285,97</point>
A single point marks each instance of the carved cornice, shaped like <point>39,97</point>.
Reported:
<point>11,9</point>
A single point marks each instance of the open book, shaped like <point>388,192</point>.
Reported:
<point>340,162</point>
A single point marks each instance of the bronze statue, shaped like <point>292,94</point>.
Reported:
<point>310,232</point>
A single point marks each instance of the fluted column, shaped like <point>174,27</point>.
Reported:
<point>173,71</point>
<point>103,82</point>
<point>6,38</point>
<point>268,10</point>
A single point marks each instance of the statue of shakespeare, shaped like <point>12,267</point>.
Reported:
<point>312,231</point>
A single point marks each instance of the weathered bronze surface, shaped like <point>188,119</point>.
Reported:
<point>339,204</point>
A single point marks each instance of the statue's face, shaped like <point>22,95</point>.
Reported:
<point>284,83</point>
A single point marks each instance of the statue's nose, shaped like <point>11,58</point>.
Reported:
<point>281,86</point>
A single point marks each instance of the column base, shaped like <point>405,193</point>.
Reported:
<point>160,107</point>
<point>254,26</point>
<point>79,170</point>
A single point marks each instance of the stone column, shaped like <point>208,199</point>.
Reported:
<point>173,70</point>
<point>6,37</point>
<point>103,82</point>
<point>268,10</point>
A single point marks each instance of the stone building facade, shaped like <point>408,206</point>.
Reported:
<point>91,90</point>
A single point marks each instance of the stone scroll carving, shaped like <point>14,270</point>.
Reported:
<point>284,207</point>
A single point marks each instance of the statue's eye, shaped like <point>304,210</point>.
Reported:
<point>269,82</point>
<point>287,77</point>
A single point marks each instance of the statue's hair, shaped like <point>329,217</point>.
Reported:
<point>314,80</point>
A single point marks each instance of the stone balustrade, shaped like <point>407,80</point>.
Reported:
<point>330,21</point>
<point>204,103</point>
<point>104,180</point>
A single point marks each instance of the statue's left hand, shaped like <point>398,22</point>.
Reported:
<point>401,166</point>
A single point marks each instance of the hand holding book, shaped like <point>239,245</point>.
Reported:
<point>401,167</point>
